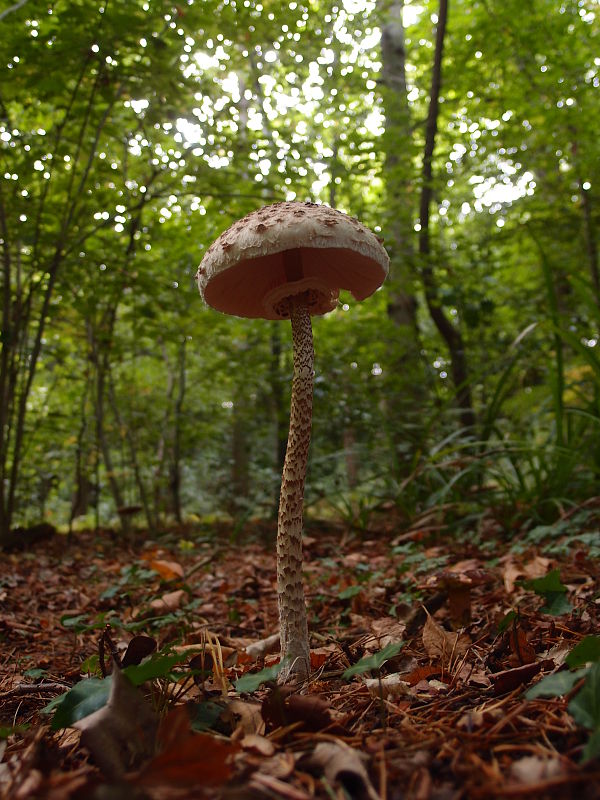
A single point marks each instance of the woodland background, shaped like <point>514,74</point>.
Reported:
<point>133,133</point>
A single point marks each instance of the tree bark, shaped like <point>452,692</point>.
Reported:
<point>399,235</point>
<point>448,331</point>
<point>175,466</point>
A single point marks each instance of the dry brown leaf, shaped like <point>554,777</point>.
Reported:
<point>523,652</point>
<point>244,717</point>
<point>388,686</point>
<point>168,570</point>
<point>263,647</point>
<point>343,765</point>
<point>321,655</point>
<point>510,574</point>
<point>441,644</point>
<point>387,630</point>
<point>170,601</point>
<point>122,733</point>
<point>535,568</point>
<point>187,758</point>
<point>510,679</point>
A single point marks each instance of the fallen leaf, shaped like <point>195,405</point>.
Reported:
<point>387,630</point>
<point>122,733</point>
<point>280,708</point>
<point>510,679</point>
<point>321,655</point>
<point>441,644</point>
<point>343,765</point>
<point>245,718</point>
<point>168,602</point>
<point>261,648</point>
<point>523,651</point>
<point>187,758</point>
<point>387,686</point>
<point>168,570</point>
<point>419,674</point>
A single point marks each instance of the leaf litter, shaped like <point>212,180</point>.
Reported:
<point>441,669</point>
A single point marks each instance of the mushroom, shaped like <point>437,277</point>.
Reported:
<point>289,261</point>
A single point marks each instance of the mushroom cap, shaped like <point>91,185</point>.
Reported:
<point>285,249</point>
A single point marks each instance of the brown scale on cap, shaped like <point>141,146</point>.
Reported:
<point>290,260</point>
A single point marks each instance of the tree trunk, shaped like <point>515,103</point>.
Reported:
<point>175,465</point>
<point>151,520</point>
<point>399,234</point>
<point>240,481</point>
<point>590,239</point>
<point>448,331</point>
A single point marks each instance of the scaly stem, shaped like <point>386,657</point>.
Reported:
<point>290,586</point>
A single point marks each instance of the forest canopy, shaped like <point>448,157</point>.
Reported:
<point>133,133</point>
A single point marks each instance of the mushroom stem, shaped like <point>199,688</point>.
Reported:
<point>290,588</point>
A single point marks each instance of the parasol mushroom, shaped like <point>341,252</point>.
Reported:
<point>289,261</point>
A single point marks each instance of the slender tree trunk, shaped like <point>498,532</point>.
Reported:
<point>175,466</point>
<point>590,239</point>
<point>99,355</point>
<point>240,481</point>
<point>399,235</point>
<point>448,331</point>
<point>102,441</point>
<point>151,520</point>
<point>81,495</point>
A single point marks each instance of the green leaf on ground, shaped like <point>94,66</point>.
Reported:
<point>555,685</point>
<point>205,715</point>
<point>556,604</point>
<point>549,584</point>
<point>585,706</point>
<point>158,666</point>
<point>506,621</point>
<point>374,662</point>
<point>349,591</point>
<point>553,591</point>
<point>249,683</point>
<point>83,699</point>
<point>586,651</point>
<point>592,748</point>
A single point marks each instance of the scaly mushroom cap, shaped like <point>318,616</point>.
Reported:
<point>245,272</point>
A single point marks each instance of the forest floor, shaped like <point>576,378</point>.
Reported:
<point>402,703</point>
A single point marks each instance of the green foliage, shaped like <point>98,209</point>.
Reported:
<point>132,134</point>
<point>374,662</point>
<point>83,699</point>
<point>253,680</point>
<point>586,651</point>
<point>553,591</point>
<point>555,685</point>
<point>584,707</point>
